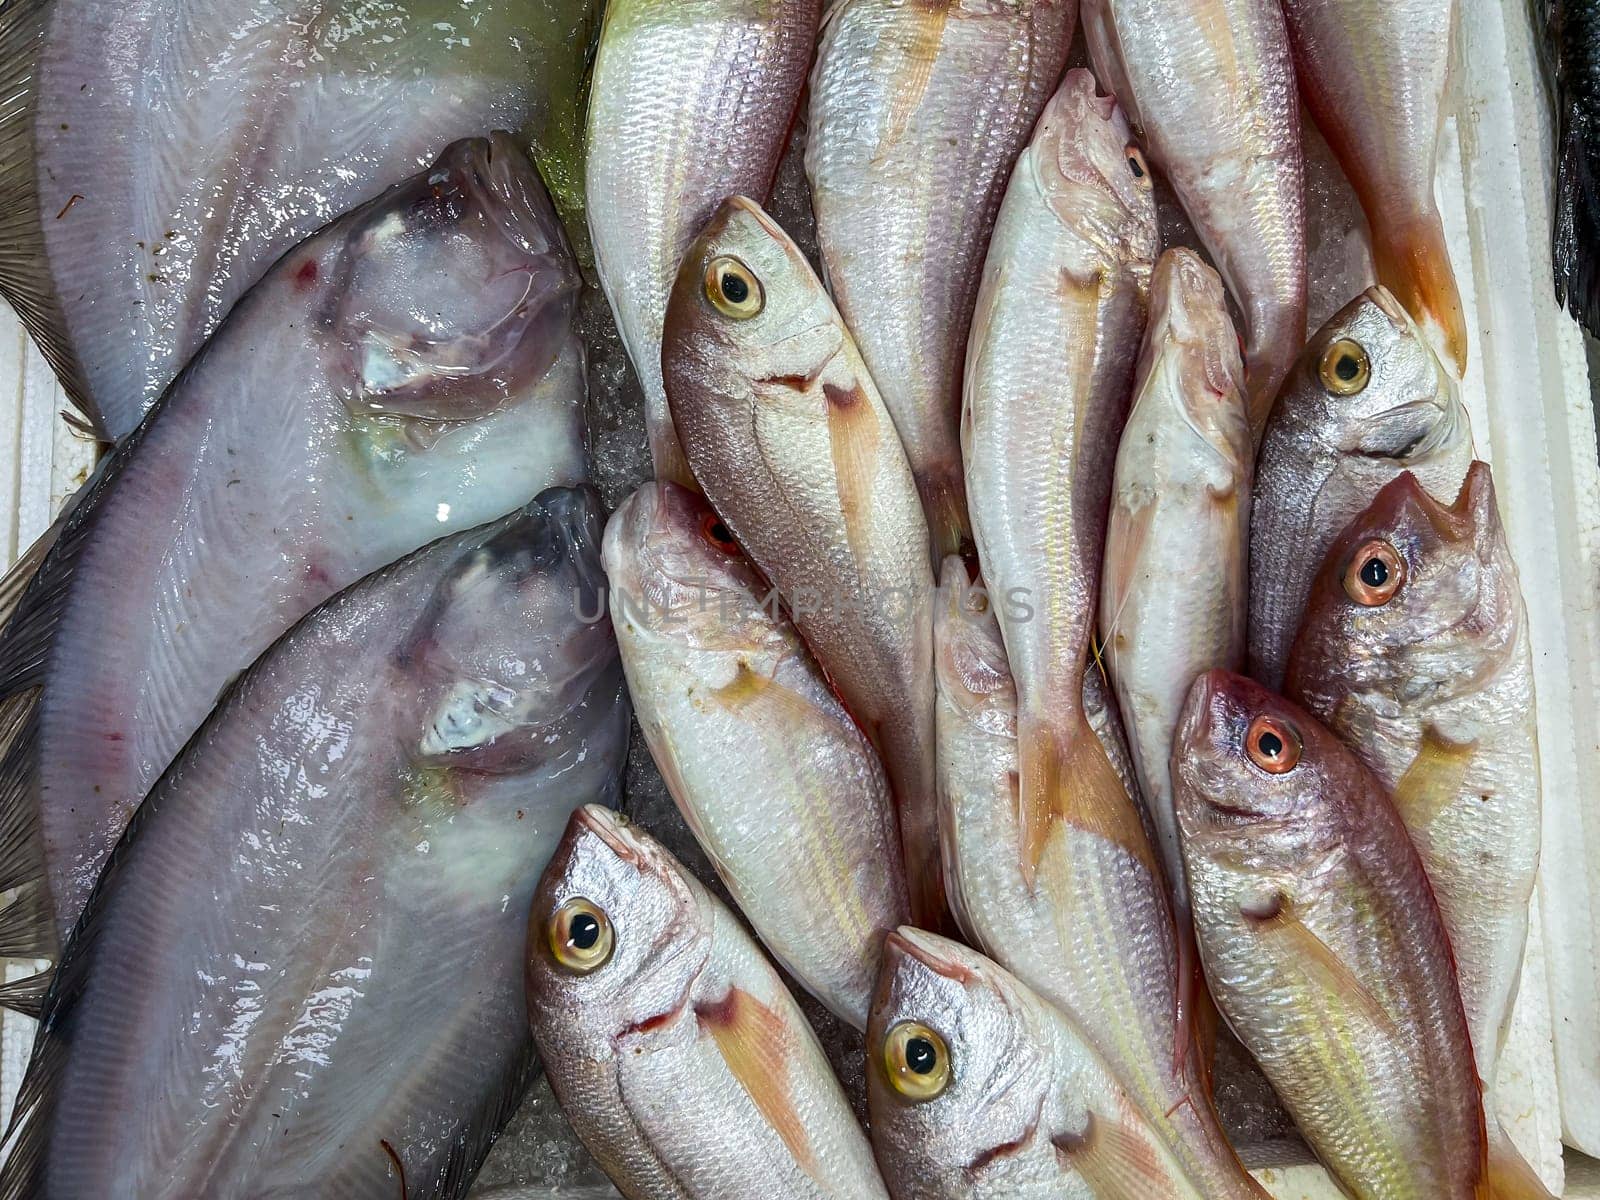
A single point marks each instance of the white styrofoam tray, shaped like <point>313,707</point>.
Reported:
<point>1529,394</point>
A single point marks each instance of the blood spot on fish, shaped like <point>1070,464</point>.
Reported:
<point>1005,1149</point>
<point>305,277</point>
<point>843,397</point>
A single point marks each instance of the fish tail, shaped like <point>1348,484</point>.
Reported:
<point>666,453</point>
<point>1413,262</point>
<point>944,500</point>
<point>24,270</point>
<point>1575,249</point>
<point>1508,1175</point>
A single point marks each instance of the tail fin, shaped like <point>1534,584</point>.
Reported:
<point>944,501</point>
<point>1575,250</point>
<point>1508,1175</point>
<point>1413,262</point>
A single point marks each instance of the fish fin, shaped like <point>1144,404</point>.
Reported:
<point>1279,919</point>
<point>1507,1175</point>
<point>755,1043</point>
<point>1575,248</point>
<point>1433,781</point>
<point>469,1150</point>
<point>26,995</point>
<point>944,502</point>
<point>1117,1162</point>
<point>854,437</point>
<point>759,695</point>
<point>22,863</point>
<point>921,53</point>
<point>24,268</point>
<point>1413,262</point>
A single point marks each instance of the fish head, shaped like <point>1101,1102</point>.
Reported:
<point>1261,788</point>
<point>957,1070</point>
<point>748,322</point>
<point>675,571</point>
<point>454,295</point>
<point>971,670</point>
<point>1085,163</point>
<point>1368,385</point>
<point>513,660</point>
<point>618,934</point>
<point>1417,601</point>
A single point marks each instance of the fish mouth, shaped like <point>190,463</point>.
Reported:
<point>1384,300</point>
<point>611,828</point>
<point>927,951</point>
<point>501,179</point>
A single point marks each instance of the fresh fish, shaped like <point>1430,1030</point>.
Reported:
<point>301,973</point>
<point>1209,87</point>
<point>1090,930</point>
<point>1323,946</point>
<point>1414,650</point>
<point>1173,599</point>
<point>1373,73</point>
<point>161,155</point>
<point>330,426</point>
<point>794,448</point>
<point>980,1090</point>
<point>1571,53</point>
<point>1367,400</point>
<point>918,112</point>
<point>677,1054</point>
<point>780,787</point>
<point>691,103</point>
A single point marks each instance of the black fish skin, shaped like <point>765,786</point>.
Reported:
<point>1572,60</point>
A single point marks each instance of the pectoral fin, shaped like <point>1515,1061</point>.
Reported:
<point>1118,1161</point>
<point>755,1043</point>
<point>1434,780</point>
<point>1319,960</point>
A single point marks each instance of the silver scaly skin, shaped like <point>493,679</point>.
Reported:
<point>1367,400</point>
<point>301,973</point>
<point>691,102</point>
<point>1210,89</point>
<point>918,112</point>
<point>797,453</point>
<point>1415,651</point>
<point>782,790</point>
<point>682,1062</point>
<point>980,1090</point>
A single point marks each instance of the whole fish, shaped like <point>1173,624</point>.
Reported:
<point>691,103</point>
<point>1173,599</point>
<point>795,450</point>
<point>1209,87</point>
<point>680,1059</point>
<point>409,371</point>
<point>1324,947</point>
<point>1091,930</point>
<point>1367,400</point>
<point>1373,73</point>
<point>1054,341</point>
<point>165,154</point>
<point>301,973</point>
<point>780,787</point>
<point>1571,56</point>
<point>1414,650</point>
<point>980,1090</point>
<point>918,112</point>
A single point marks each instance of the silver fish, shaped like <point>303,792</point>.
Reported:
<point>1367,400</point>
<point>1414,650</point>
<point>918,112</point>
<point>164,155</point>
<point>330,426</point>
<point>676,1052</point>
<point>791,441</point>
<point>1091,930</point>
<point>1210,88</point>
<point>691,103</point>
<point>302,972</point>
<point>980,1090</point>
<point>1173,598</point>
<point>779,785</point>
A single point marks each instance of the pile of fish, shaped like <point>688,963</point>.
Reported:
<point>1054,652</point>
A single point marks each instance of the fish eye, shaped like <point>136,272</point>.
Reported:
<point>581,938</point>
<point>1136,163</point>
<point>733,289</point>
<point>1345,368</point>
<point>715,532</point>
<point>1272,745</point>
<point>1374,574</point>
<point>917,1061</point>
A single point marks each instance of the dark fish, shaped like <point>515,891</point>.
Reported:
<point>301,974</point>
<point>332,425</point>
<point>1572,59</point>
